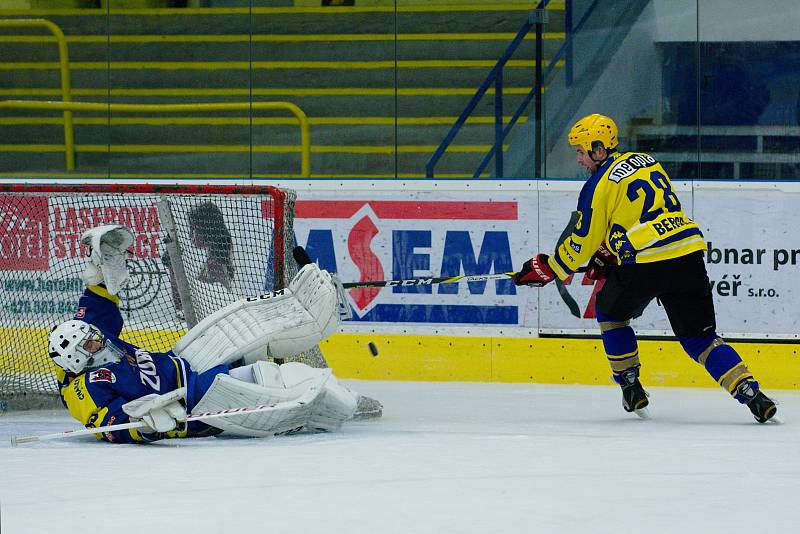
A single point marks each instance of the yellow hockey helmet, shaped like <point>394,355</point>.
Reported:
<point>593,128</point>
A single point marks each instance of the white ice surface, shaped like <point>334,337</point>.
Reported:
<point>447,457</point>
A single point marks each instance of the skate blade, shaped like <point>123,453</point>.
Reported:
<point>774,419</point>
<point>368,408</point>
<point>644,413</point>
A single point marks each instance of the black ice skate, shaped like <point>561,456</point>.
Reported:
<point>634,397</point>
<point>763,407</point>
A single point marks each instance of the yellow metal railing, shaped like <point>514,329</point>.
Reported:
<point>68,107</point>
<point>63,60</point>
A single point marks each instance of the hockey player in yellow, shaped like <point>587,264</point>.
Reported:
<point>630,227</point>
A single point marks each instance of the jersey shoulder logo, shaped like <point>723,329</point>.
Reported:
<point>81,313</point>
<point>629,165</point>
<point>102,375</point>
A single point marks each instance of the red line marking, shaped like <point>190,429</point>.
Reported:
<point>401,209</point>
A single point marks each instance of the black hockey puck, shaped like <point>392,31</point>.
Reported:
<point>373,349</point>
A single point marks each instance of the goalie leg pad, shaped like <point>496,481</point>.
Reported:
<point>316,293</point>
<point>227,392</point>
<point>279,324</point>
<point>240,330</point>
<point>334,406</point>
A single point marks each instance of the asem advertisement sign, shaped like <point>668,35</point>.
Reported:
<point>397,237</point>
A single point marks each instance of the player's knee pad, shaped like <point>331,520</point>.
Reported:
<point>721,360</point>
<point>701,346</point>
<point>277,324</point>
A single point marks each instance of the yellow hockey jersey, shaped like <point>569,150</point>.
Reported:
<point>628,203</point>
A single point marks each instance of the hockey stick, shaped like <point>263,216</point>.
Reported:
<point>304,399</point>
<point>562,289</point>
<point>302,258</point>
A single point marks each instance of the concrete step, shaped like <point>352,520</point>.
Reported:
<point>466,76</point>
<point>194,164</point>
<point>333,50</point>
<point>283,134</point>
<point>325,106</point>
<point>297,21</point>
<point>464,72</point>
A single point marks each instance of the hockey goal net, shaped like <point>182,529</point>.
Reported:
<point>196,249</point>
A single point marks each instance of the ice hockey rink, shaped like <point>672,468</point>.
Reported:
<point>445,457</point>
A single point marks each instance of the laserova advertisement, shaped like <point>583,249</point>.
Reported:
<point>391,235</point>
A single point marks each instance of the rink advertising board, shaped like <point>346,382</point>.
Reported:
<point>383,234</point>
<point>753,261</point>
<point>40,247</point>
<point>382,231</point>
<point>394,235</point>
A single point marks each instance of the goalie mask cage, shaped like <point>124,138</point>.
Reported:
<point>196,248</point>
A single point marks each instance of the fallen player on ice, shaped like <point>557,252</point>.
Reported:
<point>219,364</point>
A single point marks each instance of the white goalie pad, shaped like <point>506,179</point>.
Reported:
<point>108,253</point>
<point>320,403</point>
<point>278,324</point>
<point>335,405</point>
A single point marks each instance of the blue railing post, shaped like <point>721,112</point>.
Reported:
<point>537,91</point>
<point>538,84</point>
<point>537,17</point>
<point>498,125</point>
<point>568,43</point>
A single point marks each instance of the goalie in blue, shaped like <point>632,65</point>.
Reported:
<point>104,380</point>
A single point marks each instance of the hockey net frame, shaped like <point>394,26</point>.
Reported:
<point>50,224</point>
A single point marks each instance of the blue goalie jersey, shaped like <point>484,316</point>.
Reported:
<point>95,397</point>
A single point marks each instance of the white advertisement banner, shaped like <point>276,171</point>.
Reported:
<point>372,231</point>
<point>41,252</point>
<point>373,235</point>
<point>382,234</point>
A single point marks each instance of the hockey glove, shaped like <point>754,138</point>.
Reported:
<point>601,263</point>
<point>535,272</point>
<point>108,251</point>
<point>161,413</point>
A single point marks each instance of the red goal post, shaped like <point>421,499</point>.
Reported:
<point>196,248</point>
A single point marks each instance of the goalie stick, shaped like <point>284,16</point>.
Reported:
<point>302,258</point>
<point>304,399</point>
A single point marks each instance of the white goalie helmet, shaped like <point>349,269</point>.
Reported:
<point>66,345</point>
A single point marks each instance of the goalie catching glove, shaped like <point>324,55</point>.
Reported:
<point>161,413</point>
<point>279,324</point>
<point>108,253</point>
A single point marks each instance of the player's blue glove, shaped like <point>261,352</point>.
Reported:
<point>535,272</point>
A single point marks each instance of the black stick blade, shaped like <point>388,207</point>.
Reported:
<point>301,256</point>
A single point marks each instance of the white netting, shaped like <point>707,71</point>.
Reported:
<point>226,238</point>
